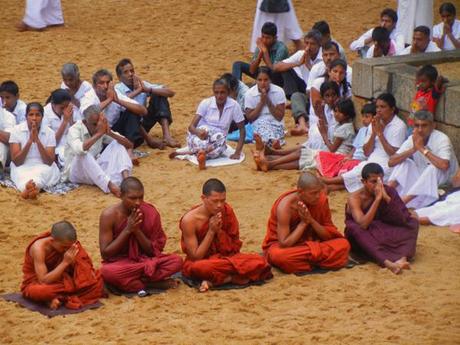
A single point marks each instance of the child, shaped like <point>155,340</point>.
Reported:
<point>305,158</point>
<point>333,164</point>
<point>9,92</point>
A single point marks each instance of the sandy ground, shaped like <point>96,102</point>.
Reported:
<point>186,44</point>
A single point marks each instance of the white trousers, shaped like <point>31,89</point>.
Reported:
<point>43,175</point>
<point>443,213</point>
<point>107,168</point>
<point>420,181</point>
<point>352,178</point>
<point>3,153</point>
<point>413,13</point>
<point>41,13</point>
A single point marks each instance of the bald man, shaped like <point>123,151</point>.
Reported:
<point>57,270</point>
<point>300,233</point>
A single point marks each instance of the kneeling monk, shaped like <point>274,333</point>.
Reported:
<point>211,240</point>
<point>57,270</point>
<point>131,240</point>
<point>300,233</point>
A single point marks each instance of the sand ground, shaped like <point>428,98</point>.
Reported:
<point>187,44</point>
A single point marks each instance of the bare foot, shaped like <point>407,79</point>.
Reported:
<point>31,191</point>
<point>136,162</point>
<point>299,131</point>
<point>276,144</point>
<point>201,157</point>
<point>171,142</point>
<point>403,263</point>
<point>55,303</point>
<point>155,143</point>
<point>114,189</point>
<point>24,27</point>
<point>165,284</point>
<point>263,163</point>
<point>256,157</point>
<point>259,143</point>
<point>205,286</point>
<point>393,267</point>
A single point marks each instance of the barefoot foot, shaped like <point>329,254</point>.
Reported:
<point>205,286</point>
<point>55,303</point>
<point>171,142</point>
<point>201,157</point>
<point>393,267</point>
<point>155,143</point>
<point>113,188</point>
<point>403,263</point>
<point>259,143</point>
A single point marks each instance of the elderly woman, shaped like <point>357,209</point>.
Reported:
<point>32,148</point>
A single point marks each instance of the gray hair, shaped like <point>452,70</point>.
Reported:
<point>70,69</point>
<point>91,110</point>
<point>101,73</point>
<point>424,115</point>
<point>314,34</point>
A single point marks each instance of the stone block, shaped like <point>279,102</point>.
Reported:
<point>452,106</point>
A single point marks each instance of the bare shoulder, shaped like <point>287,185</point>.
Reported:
<point>38,248</point>
<point>110,211</point>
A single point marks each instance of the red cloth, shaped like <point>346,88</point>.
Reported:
<point>79,285</point>
<point>132,269</point>
<point>223,258</point>
<point>310,250</point>
<point>331,164</point>
<point>428,99</point>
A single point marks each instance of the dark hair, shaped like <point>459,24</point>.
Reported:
<point>331,44</point>
<point>314,34</point>
<point>423,29</point>
<point>270,29</point>
<point>369,108</point>
<point>63,231</point>
<point>389,99</point>
<point>231,80</point>
<point>371,168</point>
<point>347,108</point>
<point>380,34</point>
<point>322,26</point>
<point>131,183</point>
<point>447,7</point>
<point>213,185</point>
<point>121,64</point>
<point>329,85</point>
<point>265,70</point>
<point>10,87</point>
<point>389,12</point>
<point>59,96</point>
<point>428,71</point>
<point>344,84</point>
<point>34,105</point>
<point>101,73</point>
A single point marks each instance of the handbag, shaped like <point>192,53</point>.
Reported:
<point>274,6</point>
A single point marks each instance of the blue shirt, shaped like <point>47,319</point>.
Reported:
<point>359,142</point>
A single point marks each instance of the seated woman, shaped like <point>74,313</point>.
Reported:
<point>302,157</point>
<point>60,115</point>
<point>32,154</point>
<point>336,73</point>
<point>206,137</point>
<point>265,106</point>
<point>378,224</point>
<point>447,33</point>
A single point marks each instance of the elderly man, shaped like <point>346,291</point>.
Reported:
<point>422,163</point>
<point>300,233</point>
<point>71,81</point>
<point>421,42</point>
<point>85,142</point>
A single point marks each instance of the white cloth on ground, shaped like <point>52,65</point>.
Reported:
<point>41,13</point>
<point>223,160</point>
<point>443,213</point>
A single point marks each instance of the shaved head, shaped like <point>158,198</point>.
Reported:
<point>307,181</point>
<point>63,231</point>
<point>131,184</point>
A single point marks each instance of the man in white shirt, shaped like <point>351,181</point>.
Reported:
<point>323,27</point>
<point>140,90</point>
<point>71,81</point>
<point>421,42</point>
<point>7,121</point>
<point>122,113</point>
<point>383,45</point>
<point>84,162</point>
<point>9,92</point>
<point>422,163</point>
<point>388,20</point>
<point>447,33</point>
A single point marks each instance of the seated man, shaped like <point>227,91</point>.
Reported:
<point>382,45</point>
<point>131,240</point>
<point>421,42</point>
<point>378,224</point>
<point>447,33</point>
<point>9,92</point>
<point>71,81</point>
<point>85,141</point>
<point>300,233</point>
<point>139,90</point>
<point>388,20</point>
<point>269,50</point>
<point>422,163</point>
<point>323,27</point>
<point>7,121</point>
<point>57,270</point>
<point>210,238</point>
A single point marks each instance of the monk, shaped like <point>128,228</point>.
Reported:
<point>57,270</point>
<point>378,224</point>
<point>300,233</point>
<point>131,241</point>
<point>210,238</point>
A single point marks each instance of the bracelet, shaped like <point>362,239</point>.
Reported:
<point>425,152</point>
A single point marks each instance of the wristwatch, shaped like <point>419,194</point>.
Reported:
<point>425,151</point>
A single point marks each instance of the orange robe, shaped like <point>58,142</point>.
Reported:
<point>309,251</point>
<point>79,285</point>
<point>223,258</point>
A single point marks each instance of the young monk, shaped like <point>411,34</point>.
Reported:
<point>379,224</point>
<point>57,270</point>
<point>131,239</point>
<point>300,233</point>
<point>210,238</point>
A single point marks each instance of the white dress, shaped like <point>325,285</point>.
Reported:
<point>41,13</point>
<point>413,13</point>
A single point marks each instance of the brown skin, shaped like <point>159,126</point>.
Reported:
<point>448,19</point>
<point>73,84</point>
<point>311,51</point>
<point>9,100</point>
<point>419,42</point>
<point>385,22</point>
<point>264,43</point>
<point>336,74</point>
<point>65,112</point>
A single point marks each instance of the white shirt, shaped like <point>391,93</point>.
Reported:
<point>140,98</point>
<point>112,111</point>
<point>319,69</point>
<point>20,134</point>
<point>53,121</point>
<point>394,133</point>
<point>302,71</point>
<point>431,48</point>
<point>345,131</point>
<point>395,35</point>
<point>276,95</point>
<point>439,144</point>
<point>439,29</point>
<point>84,88</point>
<point>19,111</point>
<point>210,116</point>
<point>7,120</point>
